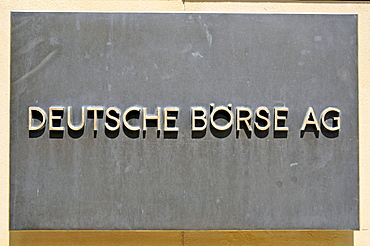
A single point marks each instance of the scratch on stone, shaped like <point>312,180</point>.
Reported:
<point>38,67</point>
<point>293,164</point>
<point>197,54</point>
<point>78,27</point>
<point>19,25</point>
<point>208,35</point>
<point>311,234</point>
<point>31,44</point>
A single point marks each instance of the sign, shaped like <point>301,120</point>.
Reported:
<point>183,121</point>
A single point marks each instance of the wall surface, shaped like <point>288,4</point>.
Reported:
<point>357,238</point>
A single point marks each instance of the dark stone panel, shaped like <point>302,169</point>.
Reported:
<point>186,180</point>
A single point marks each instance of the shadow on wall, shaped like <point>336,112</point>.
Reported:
<point>277,238</point>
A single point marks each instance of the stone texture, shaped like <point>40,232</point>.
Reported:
<point>184,60</point>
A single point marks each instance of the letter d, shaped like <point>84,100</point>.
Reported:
<point>32,115</point>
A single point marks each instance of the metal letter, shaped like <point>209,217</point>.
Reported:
<point>169,117</point>
<point>245,119</point>
<point>95,109</point>
<point>124,118</point>
<point>258,114</point>
<point>152,117</point>
<point>307,120</point>
<point>53,117</point>
<point>69,122</point>
<point>107,114</point>
<point>336,118</point>
<point>278,117</point>
<point>44,117</point>
<point>195,117</point>
<point>228,125</point>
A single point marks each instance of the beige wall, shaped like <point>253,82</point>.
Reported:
<point>358,238</point>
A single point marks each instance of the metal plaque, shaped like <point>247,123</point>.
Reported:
<point>183,121</point>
